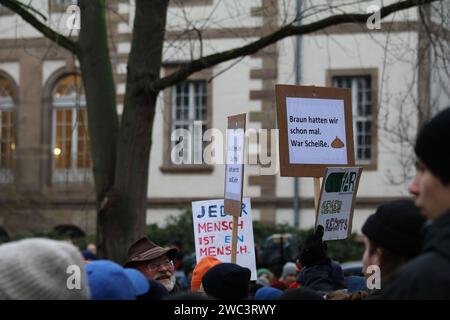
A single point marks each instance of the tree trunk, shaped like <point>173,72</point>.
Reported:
<point>101,103</point>
<point>124,221</point>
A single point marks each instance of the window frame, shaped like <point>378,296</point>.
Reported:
<point>373,74</point>
<point>168,109</point>
<point>190,3</point>
<point>56,8</point>
<point>73,175</point>
<point>12,108</point>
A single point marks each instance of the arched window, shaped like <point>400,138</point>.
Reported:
<point>7,141</point>
<point>70,140</point>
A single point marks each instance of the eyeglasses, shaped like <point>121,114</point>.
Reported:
<point>153,266</point>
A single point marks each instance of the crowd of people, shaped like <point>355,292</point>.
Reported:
<point>407,241</point>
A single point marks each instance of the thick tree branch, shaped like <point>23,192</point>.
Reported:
<point>286,31</point>
<point>49,33</point>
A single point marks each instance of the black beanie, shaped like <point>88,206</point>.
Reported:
<point>396,226</point>
<point>431,145</point>
<point>227,281</point>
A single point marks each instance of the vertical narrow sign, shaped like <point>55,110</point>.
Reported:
<point>234,173</point>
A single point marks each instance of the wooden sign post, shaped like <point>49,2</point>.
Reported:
<point>234,174</point>
<point>316,131</point>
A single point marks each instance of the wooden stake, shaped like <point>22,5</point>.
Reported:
<point>316,193</point>
<point>234,239</point>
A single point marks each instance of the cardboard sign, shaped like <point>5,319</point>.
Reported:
<point>212,232</point>
<point>315,129</point>
<point>234,168</point>
<point>337,200</point>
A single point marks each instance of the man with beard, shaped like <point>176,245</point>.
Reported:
<point>154,262</point>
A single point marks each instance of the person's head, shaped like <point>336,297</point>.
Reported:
<point>431,185</point>
<point>91,247</point>
<point>227,281</point>
<point>268,293</point>
<point>392,236</point>
<point>42,269</point>
<point>200,269</point>
<point>110,281</point>
<point>313,250</point>
<point>289,274</point>
<point>153,261</point>
<point>265,277</point>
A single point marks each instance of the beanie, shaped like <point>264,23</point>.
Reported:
<point>227,281</point>
<point>268,293</point>
<point>289,268</point>
<point>110,281</point>
<point>200,269</point>
<point>396,226</point>
<point>38,269</point>
<point>430,145</point>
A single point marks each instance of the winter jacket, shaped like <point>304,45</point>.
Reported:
<point>428,275</point>
<point>324,277</point>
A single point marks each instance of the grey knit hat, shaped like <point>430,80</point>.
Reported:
<point>41,269</point>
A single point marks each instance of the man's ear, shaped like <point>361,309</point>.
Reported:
<point>377,256</point>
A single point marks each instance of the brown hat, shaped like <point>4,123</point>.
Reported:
<point>145,250</point>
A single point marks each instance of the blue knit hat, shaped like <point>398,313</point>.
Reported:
<point>110,281</point>
<point>268,293</point>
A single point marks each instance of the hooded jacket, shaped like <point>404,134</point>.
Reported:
<point>427,276</point>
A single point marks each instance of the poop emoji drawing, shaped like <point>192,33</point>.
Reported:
<point>337,143</point>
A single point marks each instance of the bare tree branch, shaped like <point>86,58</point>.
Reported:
<point>49,33</point>
<point>286,31</point>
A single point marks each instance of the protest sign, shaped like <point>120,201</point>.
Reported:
<point>234,168</point>
<point>316,130</point>
<point>337,200</point>
<point>212,233</point>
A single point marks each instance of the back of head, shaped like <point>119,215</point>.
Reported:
<point>110,281</point>
<point>200,269</point>
<point>227,281</point>
<point>396,226</point>
<point>429,145</point>
<point>268,293</point>
<point>289,268</point>
<point>40,269</point>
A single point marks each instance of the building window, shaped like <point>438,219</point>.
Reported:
<point>363,96</point>
<point>70,140</point>
<point>188,3</point>
<point>61,5</point>
<point>187,107</point>
<point>7,141</point>
<point>189,113</point>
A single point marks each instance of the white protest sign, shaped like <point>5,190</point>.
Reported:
<point>316,131</point>
<point>212,233</point>
<point>337,198</point>
<point>234,165</point>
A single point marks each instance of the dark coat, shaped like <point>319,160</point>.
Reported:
<point>428,275</point>
<point>324,277</point>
